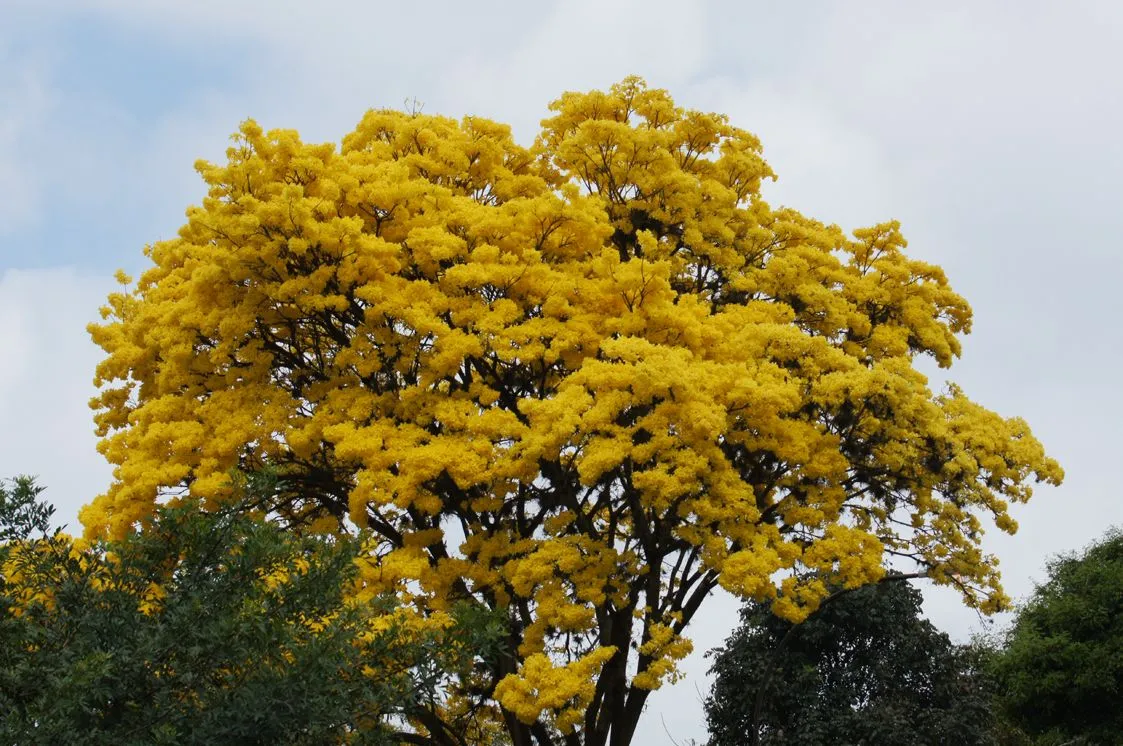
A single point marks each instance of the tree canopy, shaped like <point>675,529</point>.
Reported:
<point>1060,668</point>
<point>582,382</point>
<point>865,668</point>
<point>204,629</point>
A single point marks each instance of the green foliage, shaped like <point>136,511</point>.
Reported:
<point>864,669</point>
<point>22,513</point>
<point>1060,672</point>
<point>205,629</point>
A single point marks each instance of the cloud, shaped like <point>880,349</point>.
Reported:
<point>46,375</point>
<point>321,65</point>
<point>826,167</point>
<point>95,155</point>
<point>26,106</point>
<point>577,46</point>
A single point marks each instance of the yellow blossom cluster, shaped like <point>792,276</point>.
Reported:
<point>661,651</point>
<point>33,572</point>
<point>564,690</point>
<point>576,382</point>
<point>28,579</point>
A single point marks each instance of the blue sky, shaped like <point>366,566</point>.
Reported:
<point>991,129</point>
<point>98,99</point>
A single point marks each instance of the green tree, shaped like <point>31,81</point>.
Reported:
<point>22,513</point>
<point>1060,671</point>
<point>864,669</point>
<point>204,629</point>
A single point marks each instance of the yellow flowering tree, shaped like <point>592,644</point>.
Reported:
<point>584,382</point>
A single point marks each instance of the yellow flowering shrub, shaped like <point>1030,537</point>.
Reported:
<point>582,382</point>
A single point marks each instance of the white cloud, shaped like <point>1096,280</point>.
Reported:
<point>26,106</point>
<point>319,66</point>
<point>46,375</point>
<point>578,46</point>
<point>826,166</point>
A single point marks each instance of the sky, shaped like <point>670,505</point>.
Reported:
<point>990,129</point>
